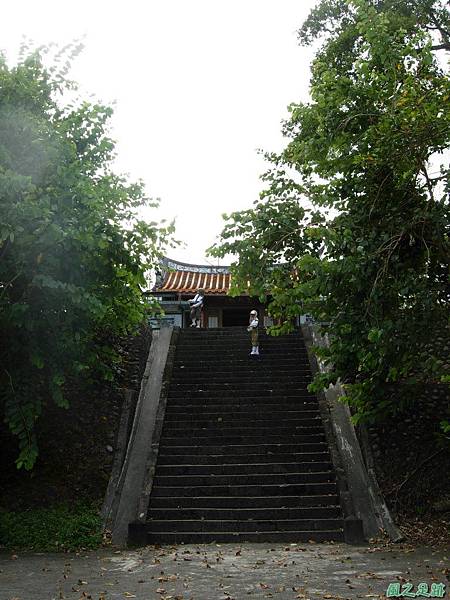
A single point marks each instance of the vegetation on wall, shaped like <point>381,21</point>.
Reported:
<point>353,224</point>
<point>73,249</point>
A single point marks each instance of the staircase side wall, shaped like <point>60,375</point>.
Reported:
<point>133,474</point>
<point>367,500</point>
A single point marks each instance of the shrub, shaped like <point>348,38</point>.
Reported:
<point>51,529</point>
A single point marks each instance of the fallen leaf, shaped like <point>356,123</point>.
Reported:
<point>128,595</point>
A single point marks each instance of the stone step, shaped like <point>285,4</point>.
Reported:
<point>226,403</point>
<point>241,337</point>
<point>293,349</point>
<point>241,351</point>
<point>243,502</point>
<point>246,362</point>
<point>243,468</point>
<point>231,421</point>
<point>226,526</point>
<point>295,489</point>
<point>241,432</point>
<point>233,329</point>
<point>200,337</point>
<point>227,407</point>
<point>252,386</point>
<point>194,338</point>
<point>236,440</point>
<point>255,367</point>
<point>212,409</point>
<point>194,537</point>
<point>257,478</point>
<point>226,331</point>
<point>245,514</point>
<point>285,363</point>
<point>211,347</point>
<point>235,410</point>
<point>243,357</point>
<point>239,449</point>
<point>198,340</point>
<point>295,379</point>
<point>195,413</point>
<point>201,341</point>
<point>166,457</point>
<point>232,383</point>
<point>259,397</point>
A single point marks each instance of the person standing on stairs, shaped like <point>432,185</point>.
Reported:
<point>253,329</point>
<point>196,308</point>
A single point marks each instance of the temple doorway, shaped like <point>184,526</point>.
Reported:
<point>234,317</point>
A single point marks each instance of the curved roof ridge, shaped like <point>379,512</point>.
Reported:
<point>177,265</point>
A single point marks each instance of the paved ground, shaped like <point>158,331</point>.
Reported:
<point>222,572</point>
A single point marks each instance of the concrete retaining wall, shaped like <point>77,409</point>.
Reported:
<point>366,498</point>
<point>123,504</point>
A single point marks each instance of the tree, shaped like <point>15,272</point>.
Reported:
<point>73,251</point>
<point>353,224</point>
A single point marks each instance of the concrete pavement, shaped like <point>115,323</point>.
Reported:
<point>222,572</point>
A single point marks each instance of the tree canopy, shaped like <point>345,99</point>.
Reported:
<point>73,249</point>
<point>352,226</point>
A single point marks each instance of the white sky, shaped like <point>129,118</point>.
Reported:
<point>199,85</point>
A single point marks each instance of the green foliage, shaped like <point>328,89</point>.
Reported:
<point>51,529</point>
<point>353,224</point>
<point>73,250</point>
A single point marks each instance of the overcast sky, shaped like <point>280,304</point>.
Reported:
<point>198,86</point>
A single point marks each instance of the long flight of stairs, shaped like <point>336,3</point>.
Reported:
<point>243,454</point>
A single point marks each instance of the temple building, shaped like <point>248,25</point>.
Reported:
<point>177,282</point>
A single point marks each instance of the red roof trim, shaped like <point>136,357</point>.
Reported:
<point>188,282</point>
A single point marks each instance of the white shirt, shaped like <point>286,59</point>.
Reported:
<point>197,301</point>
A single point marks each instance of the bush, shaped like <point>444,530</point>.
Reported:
<point>51,529</point>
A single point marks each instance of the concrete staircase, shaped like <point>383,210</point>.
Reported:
<point>243,454</point>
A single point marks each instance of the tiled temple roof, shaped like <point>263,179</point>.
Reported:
<point>184,278</point>
<point>186,282</point>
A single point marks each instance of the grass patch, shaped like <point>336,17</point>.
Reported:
<point>60,528</point>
